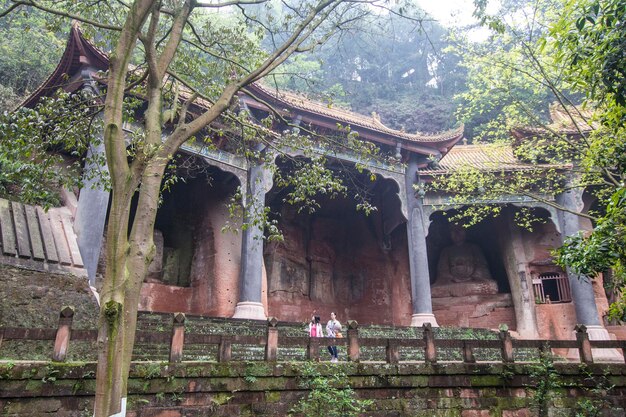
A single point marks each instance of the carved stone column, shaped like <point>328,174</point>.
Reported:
<point>581,286</point>
<point>582,290</point>
<point>515,264</point>
<point>91,213</point>
<point>250,305</point>
<point>418,257</point>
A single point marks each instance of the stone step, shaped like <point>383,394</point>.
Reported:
<point>35,239</point>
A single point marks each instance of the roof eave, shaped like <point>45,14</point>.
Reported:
<point>266,102</point>
<point>79,54</point>
<point>508,169</point>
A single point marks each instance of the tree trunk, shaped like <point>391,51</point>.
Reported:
<point>129,252</point>
<point>118,308</point>
<point>128,257</point>
<point>113,329</point>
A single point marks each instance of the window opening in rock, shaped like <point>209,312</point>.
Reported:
<point>552,288</point>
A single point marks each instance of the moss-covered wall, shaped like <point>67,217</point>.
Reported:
<point>263,389</point>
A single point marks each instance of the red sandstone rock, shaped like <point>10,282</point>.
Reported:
<point>475,413</point>
<point>463,289</point>
<point>524,412</point>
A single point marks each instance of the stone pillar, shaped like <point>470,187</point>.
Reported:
<point>582,290</point>
<point>418,257</point>
<point>250,305</point>
<point>91,212</point>
<point>515,264</point>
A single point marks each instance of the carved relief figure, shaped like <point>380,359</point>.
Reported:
<point>462,269</point>
<point>322,259</point>
<point>287,279</point>
<point>288,273</point>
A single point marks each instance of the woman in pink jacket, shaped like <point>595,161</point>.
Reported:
<point>315,327</point>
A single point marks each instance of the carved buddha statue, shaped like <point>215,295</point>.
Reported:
<point>462,269</point>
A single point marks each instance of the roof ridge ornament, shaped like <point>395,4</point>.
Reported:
<point>377,122</point>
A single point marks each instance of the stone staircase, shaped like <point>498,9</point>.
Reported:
<point>35,239</point>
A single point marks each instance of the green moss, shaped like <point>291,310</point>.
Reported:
<point>272,396</point>
<point>33,386</point>
<point>227,380</point>
<point>195,371</point>
<point>221,398</point>
<point>112,312</point>
<point>148,371</point>
<point>486,381</point>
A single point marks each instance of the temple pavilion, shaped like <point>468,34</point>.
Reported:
<point>403,264</point>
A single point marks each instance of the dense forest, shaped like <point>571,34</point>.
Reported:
<point>406,74</point>
<point>30,50</point>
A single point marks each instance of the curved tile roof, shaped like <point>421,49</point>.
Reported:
<point>571,121</point>
<point>373,123</point>
<point>486,157</point>
<point>80,54</point>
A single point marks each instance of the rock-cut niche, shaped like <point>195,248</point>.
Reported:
<point>339,259</point>
<point>185,229</point>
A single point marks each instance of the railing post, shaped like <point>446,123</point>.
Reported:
<point>178,338</point>
<point>271,346</point>
<point>544,349</point>
<point>64,331</point>
<point>393,353</point>
<point>584,346</point>
<point>313,349</point>
<point>224,350</point>
<point>430,351</point>
<point>353,341</point>
<point>507,347</point>
<point>468,353</point>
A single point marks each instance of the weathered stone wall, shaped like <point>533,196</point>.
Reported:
<point>33,299</point>
<point>265,389</point>
<point>338,260</point>
<point>195,214</point>
<point>485,312</point>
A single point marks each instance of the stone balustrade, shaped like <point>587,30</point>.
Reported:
<point>426,349</point>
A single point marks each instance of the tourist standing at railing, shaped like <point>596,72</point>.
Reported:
<point>333,329</point>
<point>315,327</point>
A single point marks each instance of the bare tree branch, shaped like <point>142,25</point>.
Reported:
<point>185,108</point>
<point>174,40</point>
<point>215,55</point>
<point>228,3</point>
<point>57,12</point>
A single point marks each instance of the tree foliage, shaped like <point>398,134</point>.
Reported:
<point>329,394</point>
<point>29,50</point>
<point>41,148</point>
<point>590,39</point>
